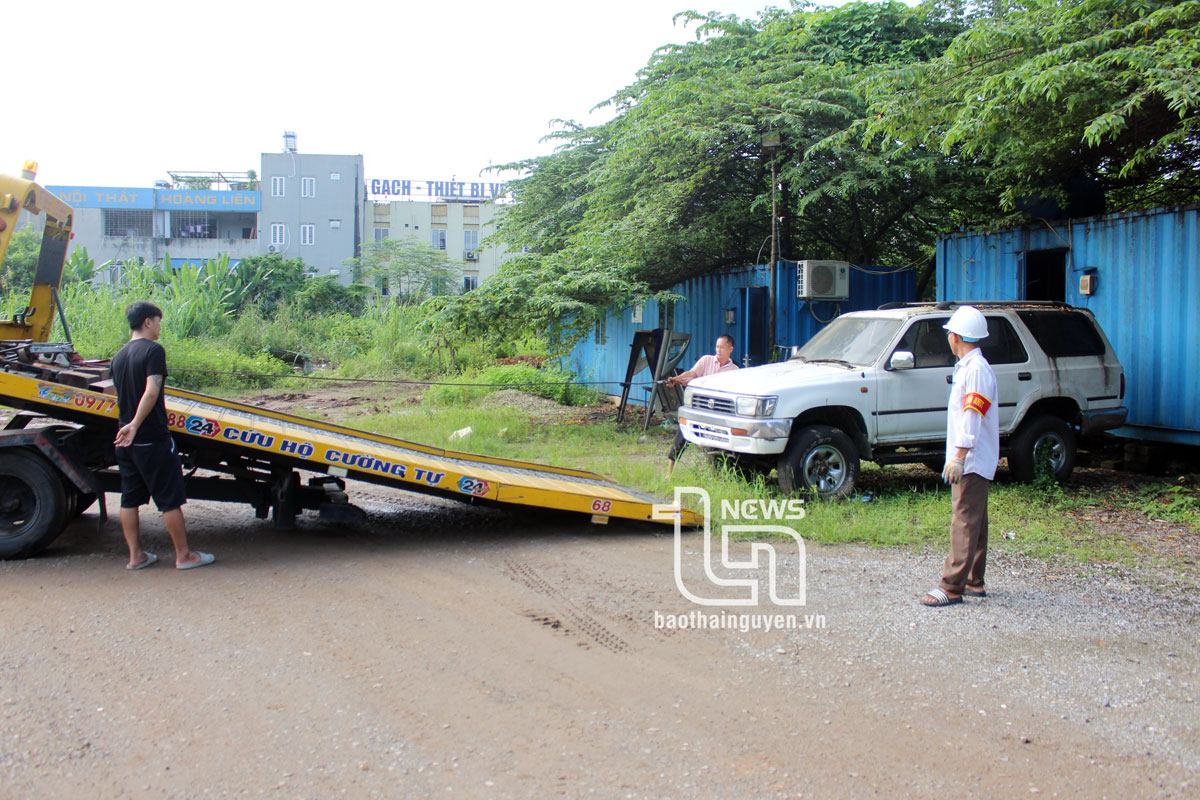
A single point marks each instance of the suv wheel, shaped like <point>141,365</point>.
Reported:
<point>1046,440</point>
<point>821,460</point>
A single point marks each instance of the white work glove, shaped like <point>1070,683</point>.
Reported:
<point>952,472</point>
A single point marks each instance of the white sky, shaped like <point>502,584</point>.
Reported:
<point>118,92</point>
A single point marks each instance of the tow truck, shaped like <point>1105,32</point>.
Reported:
<point>57,457</point>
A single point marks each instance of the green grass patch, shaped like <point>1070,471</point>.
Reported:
<point>474,385</point>
<point>902,506</point>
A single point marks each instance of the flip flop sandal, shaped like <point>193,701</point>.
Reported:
<point>150,559</point>
<point>939,598</point>
<point>205,560</point>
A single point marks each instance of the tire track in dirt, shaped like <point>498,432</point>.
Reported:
<point>584,623</point>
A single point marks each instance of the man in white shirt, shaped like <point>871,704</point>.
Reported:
<point>707,365</point>
<point>972,452</point>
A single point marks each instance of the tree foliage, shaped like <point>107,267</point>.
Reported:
<point>1051,90</point>
<point>677,183</point>
<point>20,261</point>
<point>410,269</point>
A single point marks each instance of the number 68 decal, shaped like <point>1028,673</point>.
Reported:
<point>602,506</point>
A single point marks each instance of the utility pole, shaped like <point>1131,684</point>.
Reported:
<point>771,148</point>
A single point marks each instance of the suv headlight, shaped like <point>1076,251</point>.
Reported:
<point>755,406</point>
<point>687,396</point>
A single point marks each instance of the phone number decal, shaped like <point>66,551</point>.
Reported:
<point>101,404</point>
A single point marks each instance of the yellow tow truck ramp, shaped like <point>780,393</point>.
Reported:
<point>57,466</point>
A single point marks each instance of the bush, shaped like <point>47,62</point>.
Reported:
<point>215,362</point>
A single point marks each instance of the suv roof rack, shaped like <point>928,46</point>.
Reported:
<point>946,305</point>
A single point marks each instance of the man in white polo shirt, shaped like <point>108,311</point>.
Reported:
<point>707,365</point>
<point>972,452</point>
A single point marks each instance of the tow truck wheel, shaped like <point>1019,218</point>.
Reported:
<point>33,504</point>
<point>820,460</point>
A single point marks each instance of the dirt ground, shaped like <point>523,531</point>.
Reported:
<point>449,650</point>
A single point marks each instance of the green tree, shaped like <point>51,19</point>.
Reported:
<point>677,184</point>
<point>408,268</point>
<point>20,262</point>
<point>1047,90</point>
<point>282,280</point>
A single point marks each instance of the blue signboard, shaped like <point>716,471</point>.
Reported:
<point>104,196</point>
<point>163,199</point>
<point>185,199</point>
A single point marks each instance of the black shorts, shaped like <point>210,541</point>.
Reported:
<point>151,470</point>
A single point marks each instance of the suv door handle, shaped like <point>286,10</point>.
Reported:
<point>1024,376</point>
<point>950,379</point>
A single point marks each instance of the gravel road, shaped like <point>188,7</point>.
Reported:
<point>444,650</point>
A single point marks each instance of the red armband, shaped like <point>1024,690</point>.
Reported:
<point>974,401</point>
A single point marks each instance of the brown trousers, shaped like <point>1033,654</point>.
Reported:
<point>968,536</point>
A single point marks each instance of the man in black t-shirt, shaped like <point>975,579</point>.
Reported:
<point>146,456</point>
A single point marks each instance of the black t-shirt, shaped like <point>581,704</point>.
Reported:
<point>130,366</point>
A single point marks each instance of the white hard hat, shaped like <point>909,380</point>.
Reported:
<point>968,323</point>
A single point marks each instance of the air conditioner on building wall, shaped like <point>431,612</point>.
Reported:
<point>822,280</point>
<point>470,255</point>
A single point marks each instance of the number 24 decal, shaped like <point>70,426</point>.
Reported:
<point>473,486</point>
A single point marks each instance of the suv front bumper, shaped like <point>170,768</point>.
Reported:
<point>738,434</point>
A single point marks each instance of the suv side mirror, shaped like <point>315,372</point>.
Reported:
<point>901,359</point>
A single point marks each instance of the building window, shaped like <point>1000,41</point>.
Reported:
<point>128,222</point>
<point>470,240</point>
<point>277,184</point>
<point>470,282</point>
<point>308,187</point>
<point>308,234</point>
<point>278,234</point>
<point>382,233</point>
<point>193,225</point>
<point>335,176</point>
<point>437,239</point>
<point>335,223</point>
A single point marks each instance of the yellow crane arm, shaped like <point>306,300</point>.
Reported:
<point>16,194</point>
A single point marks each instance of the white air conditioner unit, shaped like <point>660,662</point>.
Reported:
<point>822,280</point>
<point>271,249</point>
<point>470,255</point>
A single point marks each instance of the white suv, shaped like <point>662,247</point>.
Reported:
<point>874,385</point>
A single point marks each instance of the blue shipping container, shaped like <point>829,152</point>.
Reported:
<point>1146,270</point>
<point>733,303</point>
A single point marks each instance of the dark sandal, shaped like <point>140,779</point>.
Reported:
<point>969,592</point>
<point>937,598</point>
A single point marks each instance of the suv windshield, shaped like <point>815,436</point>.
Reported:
<point>854,340</point>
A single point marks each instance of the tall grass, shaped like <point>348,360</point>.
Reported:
<point>211,328</point>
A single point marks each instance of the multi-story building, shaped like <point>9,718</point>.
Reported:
<point>123,224</point>
<point>312,208</point>
<point>301,205</point>
<point>455,226</point>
